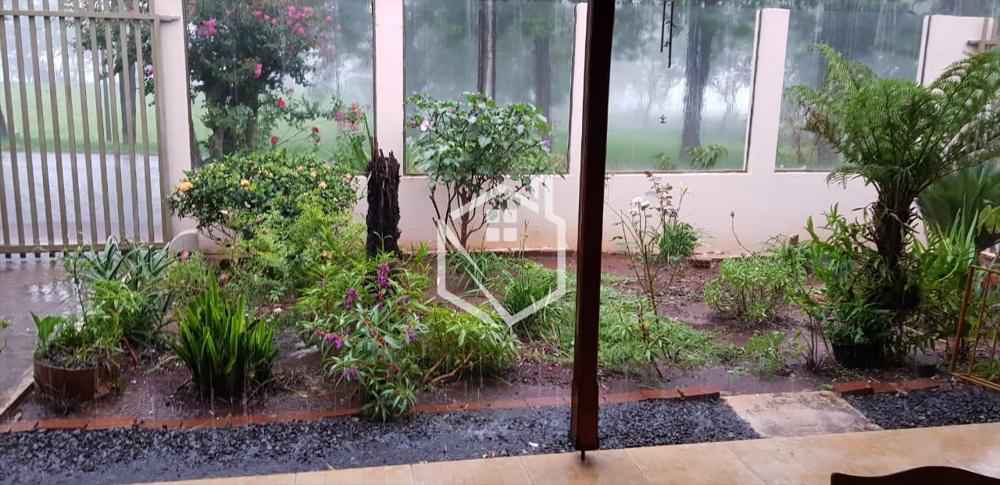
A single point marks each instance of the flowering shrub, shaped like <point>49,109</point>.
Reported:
<point>373,341</point>
<point>471,147</point>
<point>240,55</point>
<point>233,196</point>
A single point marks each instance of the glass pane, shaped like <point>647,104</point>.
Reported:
<point>660,115</point>
<point>534,55</point>
<point>883,35</point>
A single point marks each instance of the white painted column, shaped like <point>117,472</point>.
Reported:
<point>576,98</point>
<point>770,43</point>
<point>175,147</point>
<point>946,40</point>
<point>390,76</point>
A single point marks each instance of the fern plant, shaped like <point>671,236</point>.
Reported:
<point>225,350</point>
<point>900,138</point>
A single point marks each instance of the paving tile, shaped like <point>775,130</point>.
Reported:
<point>691,465</point>
<point>652,394</point>
<point>63,424</point>
<point>798,414</point>
<point>700,392</point>
<point>111,423</point>
<point>811,460</point>
<point>492,471</point>
<point>160,424</point>
<point>391,475</point>
<point>550,401</point>
<point>885,388</point>
<point>919,385</point>
<point>624,397</point>
<point>858,388</point>
<point>611,467</point>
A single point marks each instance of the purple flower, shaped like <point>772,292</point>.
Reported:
<point>411,335</point>
<point>350,298</point>
<point>334,340</point>
<point>350,374</point>
<point>383,276</point>
<point>208,28</point>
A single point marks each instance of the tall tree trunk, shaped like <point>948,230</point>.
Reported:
<point>543,74</point>
<point>486,79</point>
<point>3,127</point>
<point>701,33</point>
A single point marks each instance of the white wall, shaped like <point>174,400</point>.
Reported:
<point>765,202</point>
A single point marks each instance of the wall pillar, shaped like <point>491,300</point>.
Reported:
<point>768,87</point>
<point>390,76</point>
<point>173,111</point>
<point>946,40</point>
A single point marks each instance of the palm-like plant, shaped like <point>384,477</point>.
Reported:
<point>900,138</point>
<point>964,198</point>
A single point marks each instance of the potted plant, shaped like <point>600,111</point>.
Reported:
<point>74,356</point>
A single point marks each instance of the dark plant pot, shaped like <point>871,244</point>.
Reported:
<point>927,370</point>
<point>76,385</point>
<point>859,356</point>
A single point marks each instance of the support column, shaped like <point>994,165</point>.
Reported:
<point>173,109</point>
<point>597,80</point>
<point>770,43</point>
<point>389,89</point>
<point>948,39</point>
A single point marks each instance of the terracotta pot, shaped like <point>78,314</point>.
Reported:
<point>76,385</point>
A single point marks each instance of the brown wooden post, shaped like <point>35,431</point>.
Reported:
<point>597,77</point>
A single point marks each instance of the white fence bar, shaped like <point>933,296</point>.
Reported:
<point>946,39</point>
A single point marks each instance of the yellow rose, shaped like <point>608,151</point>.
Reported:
<point>322,185</point>
<point>245,183</point>
<point>185,187</point>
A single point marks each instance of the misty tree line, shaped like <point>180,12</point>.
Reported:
<point>522,50</point>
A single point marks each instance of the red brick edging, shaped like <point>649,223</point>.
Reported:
<point>862,388</point>
<point>77,424</point>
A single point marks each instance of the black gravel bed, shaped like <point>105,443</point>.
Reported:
<point>131,455</point>
<point>959,405</point>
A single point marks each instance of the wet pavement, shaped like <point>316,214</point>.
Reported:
<point>27,286</point>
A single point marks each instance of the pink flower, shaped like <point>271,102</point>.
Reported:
<point>300,30</point>
<point>274,140</point>
<point>307,12</point>
<point>258,14</point>
<point>208,28</point>
<point>282,104</point>
<point>339,116</point>
<point>258,71</point>
<point>329,19</point>
<point>315,130</point>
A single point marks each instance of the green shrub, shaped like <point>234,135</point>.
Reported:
<point>290,254</point>
<point>187,280</point>
<point>767,352</point>
<point>526,285</point>
<point>751,289</point>
<point>76,342</point>
<point>458,343</point>
<point>678,241</point>
<point>233,196</point>
<point>226,351</point>
<point>127,282</point>
<point>961,198</point>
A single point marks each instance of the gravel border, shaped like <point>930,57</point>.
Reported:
<point>129,455</point>
<point>960,405</point>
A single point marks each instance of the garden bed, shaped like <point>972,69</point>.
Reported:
<point>129,455</point>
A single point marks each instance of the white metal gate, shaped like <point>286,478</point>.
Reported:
<point>79,129</point>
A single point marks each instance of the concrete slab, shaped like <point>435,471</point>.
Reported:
<point>27,286</point>
<point>798,414</point>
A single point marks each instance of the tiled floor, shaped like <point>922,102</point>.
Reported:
<point>799,461</point>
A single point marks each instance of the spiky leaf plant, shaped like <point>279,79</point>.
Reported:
<point>225,350</point>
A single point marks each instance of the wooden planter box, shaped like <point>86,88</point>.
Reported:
<point>77,385</point>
